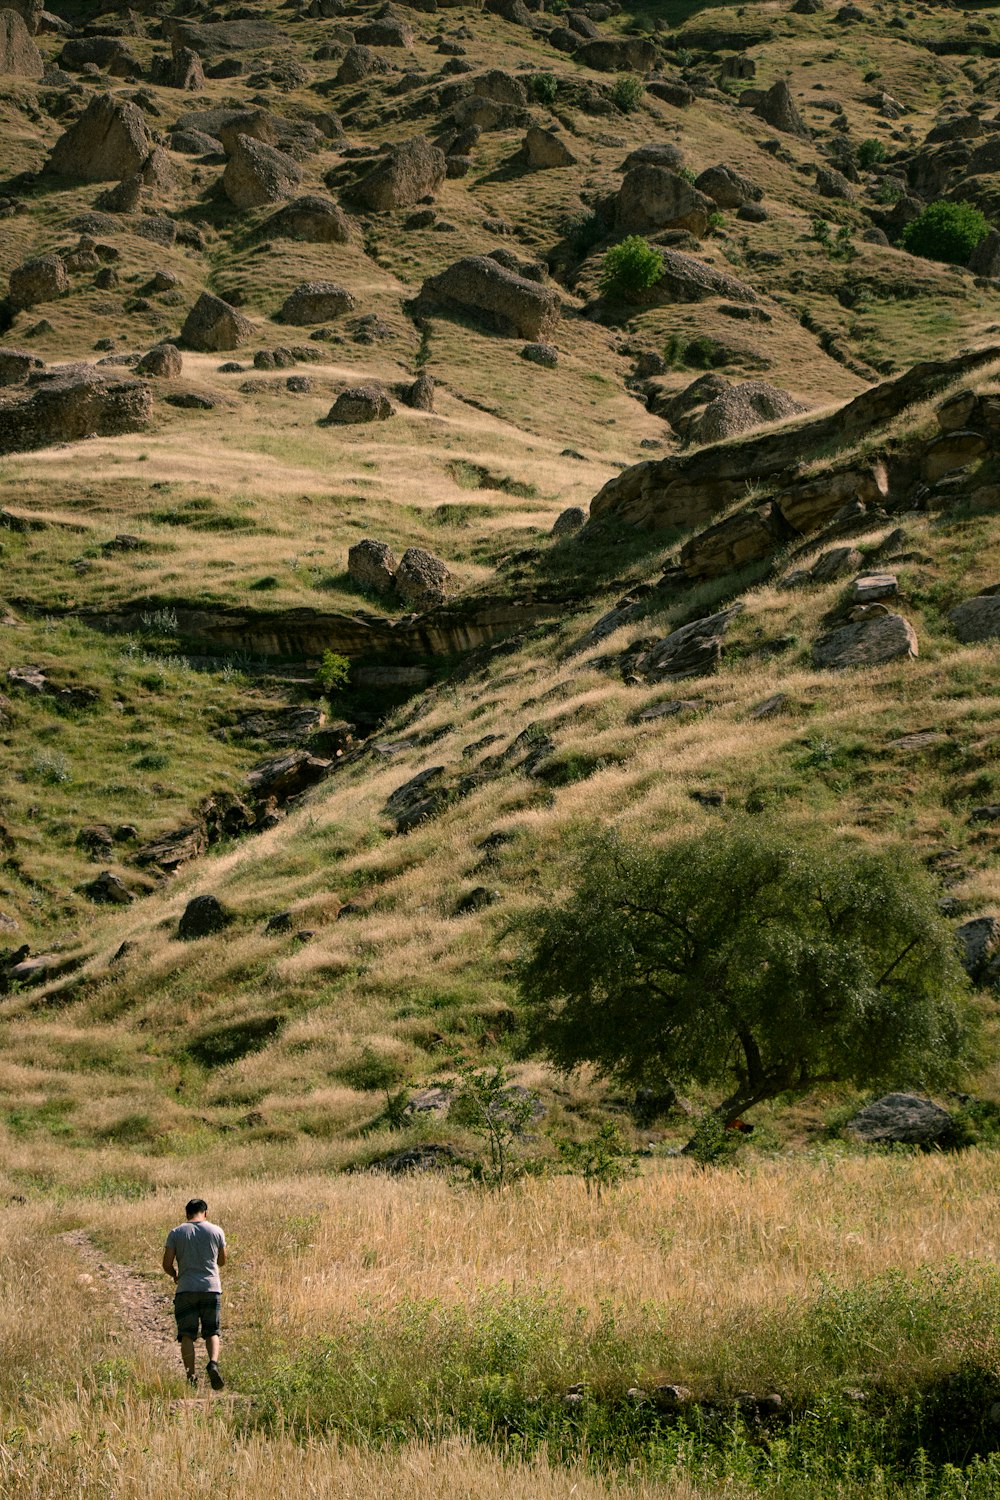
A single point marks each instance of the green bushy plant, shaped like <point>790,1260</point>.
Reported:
<point>629,267</point>
<point>627,92</point>
<point>543,88</point>
<point>946,231</point>
<point>870,153</point>
<point>333,672</point>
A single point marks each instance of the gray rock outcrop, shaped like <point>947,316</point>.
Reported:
<point>315,302</point>
<point>902,1119</point>
<point>372,565</point>
<point>19,57</point>
<point>361,403</point>
<point>312,218</point>
<point>653,197</point>
<point>977,619</point>
<point>257,174</point>
<point>38,280</point>
<point>867,643</point>
<point>422,579</point>
<point>410,171</point>
<point>213,325</point>
<point>76,403</point>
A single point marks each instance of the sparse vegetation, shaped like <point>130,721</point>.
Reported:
<point>627,93</point>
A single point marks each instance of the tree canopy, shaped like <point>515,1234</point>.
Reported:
<point>750,959</point>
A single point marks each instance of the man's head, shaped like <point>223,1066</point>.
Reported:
<point>197,1208</point>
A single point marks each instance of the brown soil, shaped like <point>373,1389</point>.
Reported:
<point>146,1313</point>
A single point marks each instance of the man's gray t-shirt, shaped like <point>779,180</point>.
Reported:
<point>196,1247</point>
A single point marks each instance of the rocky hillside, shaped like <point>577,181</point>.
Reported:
<point>365,541</point>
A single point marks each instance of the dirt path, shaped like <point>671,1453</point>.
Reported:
<point>146,1314</point>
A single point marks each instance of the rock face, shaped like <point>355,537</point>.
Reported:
<point>653,198</point>
<point>18,54</point>
<point>78,403</point>
<point>692,489</point>
<point>315,302</point>
<point>506,302</point>
<point>16,365</point>
<point>312,218</point>
<point>202,917</point>
<point>977,619</point>
<point>212,325</point>
<point>546,148</point>
<point>108,143</point>
<point>868,643</point>
<point>256,174</point>
<point>372,565</point>
<point>902,1118</point>
<point>360,403</point>
<point>360,62</point>
<point>568,521</point>
<point>412,170</point>
<point>38,280</point>
<point>422,579</point>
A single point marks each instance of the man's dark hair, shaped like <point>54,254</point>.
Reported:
<point>196,1206</point>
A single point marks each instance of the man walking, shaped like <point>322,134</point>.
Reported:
<point>192,1256</point>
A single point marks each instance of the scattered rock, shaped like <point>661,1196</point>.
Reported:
<point>420,395</point>
<point>361,403</point>
<point>422,579</point>
<point>867,643</point>
<point>653,198</point>
<point>728,188</point>
<point>372,565</point>
<point>203,916</point>
<point>569,521</point>
<point>900,1118</point>
<point>19,57</point>
<point>38,280</point>
<point>312,218</point>
<point>163,361</point>
<point>694,650</point>
<point>213,325</point>
<point>481,287</point>
<point>777,108</point>
<point>546,355</point>
<point>316,302</point>
<point>977,619</point>
<point>109,889</point>
<point>547,148</point>
<point>79,403</point>
<point>109,142</point>
<point>979,945</point>
<point>410,171</point>
<point>256,174</point>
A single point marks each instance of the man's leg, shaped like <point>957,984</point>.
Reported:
<point>212,1346</point>
<point>187,1355</point>
<point>210,1328</point>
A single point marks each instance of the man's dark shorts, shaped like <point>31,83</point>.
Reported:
<point>192,1308</point>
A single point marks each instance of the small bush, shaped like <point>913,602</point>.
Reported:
<point>630,266</point>
<point>333,672</point>
<point>628,92</point>
<point>870,153</point>
<point>543,88</point>
<point>945,231</point>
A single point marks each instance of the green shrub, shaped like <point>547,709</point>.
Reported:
<point>333,672</point>
<point>945,231</point>
<point>628,92</point>
<point>870,153</point>
<point>543,88</point>
<point>630,266</point>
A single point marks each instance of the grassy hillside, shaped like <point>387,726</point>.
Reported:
<point>177,586</point>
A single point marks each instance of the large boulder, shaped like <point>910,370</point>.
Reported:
<point>315,302</point>
<point>18,54</point>
<point>979,948</point>
<point>902,1119</point>
<point>618,54</point>
<point>31,12</point>
<point>410,171</point>
<point>163,361</point>
<point>372,565</point>
<point>361,403</point>
<point>653,197</point>
<point>480,287</point>
<point>16,365</point>
<point>108,143</point>
<point>259,124</point>
<point>546,148</point>
<point>693,650</point>
<point>256,174</point>
<point>186,71</point>
<point>867,643</point>
<point>76,403</point>
<point>985,258</point>
<point>777,108</point>
<point>213,325</point>
<point>422,579</point>
<point>361,62</point>
<point>313,218</point>
<point>728,188</point>
<point>38,280</point>
<point>977,619</point>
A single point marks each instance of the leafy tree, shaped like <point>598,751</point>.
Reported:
<point>499,1113</point>
<point>945,231</point>
<point>870,153</point>
<point>630,266</point>
<point>747,959</point>
<point>333,672</point>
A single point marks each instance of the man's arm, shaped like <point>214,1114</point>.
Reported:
<point>169,1261</point>
<point>221,1258</point>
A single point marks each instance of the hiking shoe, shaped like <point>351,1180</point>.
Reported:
<point>215,1379</point>
<point>192,1381</point>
